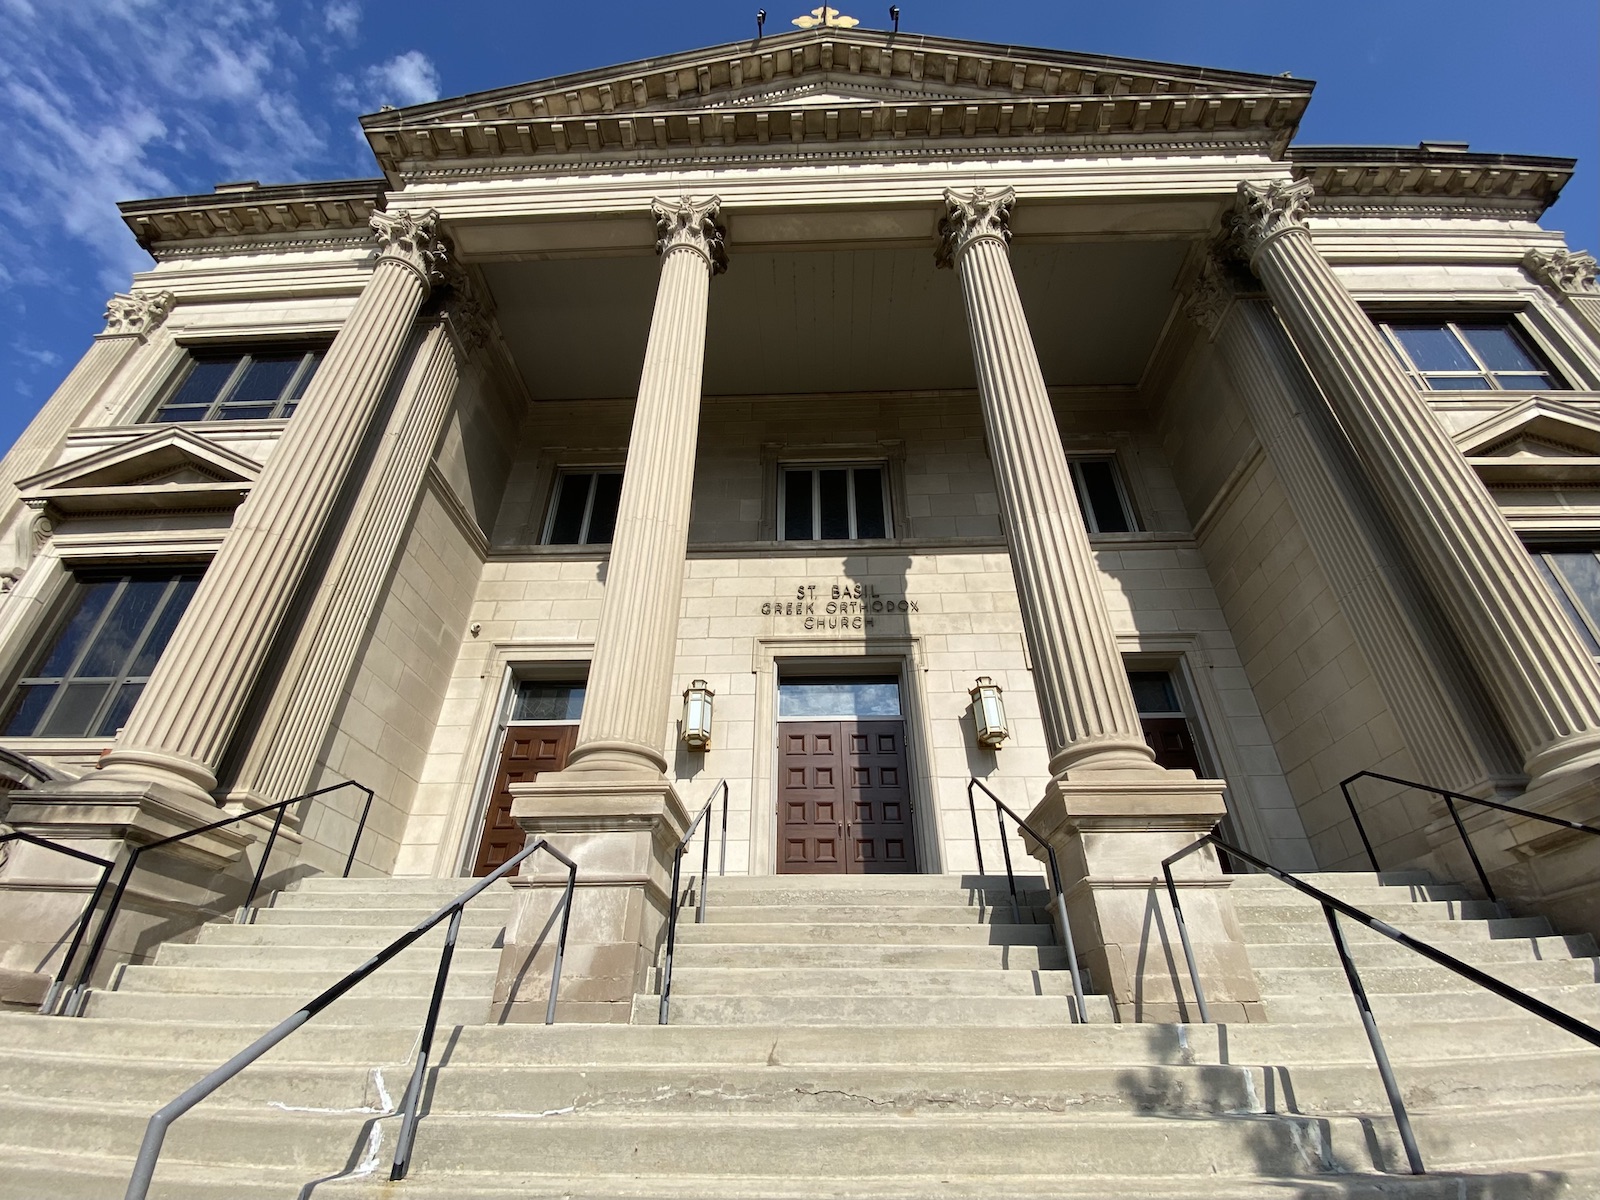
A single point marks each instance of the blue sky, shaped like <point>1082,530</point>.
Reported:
<point>107,100</point>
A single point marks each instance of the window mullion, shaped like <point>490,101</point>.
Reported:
<point>228,388</point>
<point>293,385</point>
<point>120,678</point>
<point>1472,353</point>
<point>70,672</point>
<point>588,508</point>
<point>1578,606</point>
<point>850,500</point>
<point>816,504</point>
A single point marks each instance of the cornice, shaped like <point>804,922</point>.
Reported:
<point>1428,180</point>
<point>249,216</point>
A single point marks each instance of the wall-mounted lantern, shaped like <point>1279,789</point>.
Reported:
<point>989,711</point>
<point>697,716</point>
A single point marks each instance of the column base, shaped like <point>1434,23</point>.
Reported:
<point>1536,869</point>
<point>1110,831</point>
<point>622,832</point>
<point>175,890</point>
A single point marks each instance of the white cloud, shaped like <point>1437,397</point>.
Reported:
<point>408,78</point>
<point>343,17</point>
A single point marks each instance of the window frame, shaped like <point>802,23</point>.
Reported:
<point>593,471</point>
<point>68,603</point>
<point>1567,597</point>
<point>1511,321</point>
<point>849,466</point>
<point>311,355</point>
<point>1091,520</point>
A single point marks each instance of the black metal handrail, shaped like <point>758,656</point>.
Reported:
<point>1450,798</point>
<point>81,925</point>
<point>156,1131</point>
<point>700,896</point>
<point>79,994</point>
<point>1079,1010</point>
<point>1332,909</point>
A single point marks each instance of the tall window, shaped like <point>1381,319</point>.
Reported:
<point>585,508</point>
<point>1488,354</point>
<point>235,385</point>
<point>833,503</point>
<point>1101,495</point>
<point>85,682</point>
<point>1574,576</point>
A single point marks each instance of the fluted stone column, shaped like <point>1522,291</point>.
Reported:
<point>1452,735</point>
<point>284,753</point>
<point>1543,682</point>
<point>1110,812</point>
<point>179,729</point>
<point>130,320</point>
<point>1570,275</point>
<point>613,810</point>
<point>1089,716</point>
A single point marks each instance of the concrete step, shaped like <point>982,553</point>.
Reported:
<point>1581,1002</point>
<point>325,1040</point>
<point>1255,928</point>
<point>1422,976</point>
<point>825,933</point>
<point>866,1010</point>
<point>996,958</point>
<point>34,1175</point>
<point>1355,890</point>
<point>398,917</point>
<point>1329,880</point>
<point>408,1011</point>
<point>938,889</point>
<point>396,884</point>
<point>850,914</point>
<point>695,980</point>
<point>496,901</point>
<point>372,936</point>
<point>924,1146</point>
<point>1384,952</point>
<point>1264,907</point>
<point>319,958</point>
<point>301,984</point>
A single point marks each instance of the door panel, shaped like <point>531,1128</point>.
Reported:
<point>810,800</point>
<point>1173,742</point>
<point>878,830</point>
<point>528,751</point>
<point>844,801</point>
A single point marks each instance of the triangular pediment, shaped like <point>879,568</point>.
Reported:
<point>167,468</point>
<point>1537,441</point>
<point>851,86</point>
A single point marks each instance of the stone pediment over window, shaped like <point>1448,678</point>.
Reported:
<point>1540,441</point>
<point>859,91</point>
<point>170,469</point>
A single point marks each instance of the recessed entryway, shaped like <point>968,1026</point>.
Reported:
<point>844,787</point>
<point>538,737</point>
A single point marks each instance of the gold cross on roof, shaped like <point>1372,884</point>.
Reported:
<point>825,16</point>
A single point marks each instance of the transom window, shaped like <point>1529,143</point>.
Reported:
<point>538,700</point>
<point>585,508</point>
<point>86,681</point>
<point>1573,574</point>
<point>808,698</point>
<point>831,502</point>
<point>1489,354</point>
<point>1101,495</point>
<point>234,385</point>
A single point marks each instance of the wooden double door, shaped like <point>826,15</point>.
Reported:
<point>844,799</point>
<point>527,752</point>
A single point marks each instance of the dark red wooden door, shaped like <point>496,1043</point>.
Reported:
<point>810,800</point>
<point>528,751</point>
<point>844,800</point>
<point>1173,743</point>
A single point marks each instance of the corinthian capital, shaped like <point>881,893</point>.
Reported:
<point>137,312</point>
<point>691,224</point>
<point>1563,270</point>
<point>970,217</point>
<point>411,238</point>
<point>1264,210</point>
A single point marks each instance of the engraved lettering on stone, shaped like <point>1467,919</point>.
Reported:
<point>691,224</point>
<point>971,216</point>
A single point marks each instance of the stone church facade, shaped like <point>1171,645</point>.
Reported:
<point>832,378</point>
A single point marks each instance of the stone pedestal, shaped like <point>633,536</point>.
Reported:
<point>1110,831</point>
<point>622,834</point>
<point>172,893</point>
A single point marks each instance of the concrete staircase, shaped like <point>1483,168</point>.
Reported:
<point>884,1037</point>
